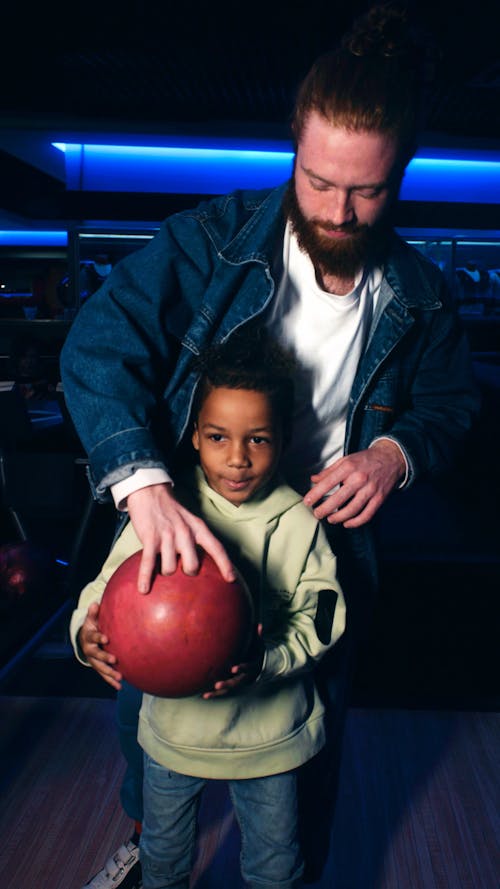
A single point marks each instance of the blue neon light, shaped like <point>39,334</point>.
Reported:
<point>454,176</point>
<point>22,238</point>
<point>177,170</point>
<point>451,180</point>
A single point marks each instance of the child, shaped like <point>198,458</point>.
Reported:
<point>257,725</point>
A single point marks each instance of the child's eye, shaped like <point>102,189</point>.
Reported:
<point>215,436</point>
<point>259,439</point>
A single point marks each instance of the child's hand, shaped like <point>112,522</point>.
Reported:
<point>241,674</point>
<point>91,640</point>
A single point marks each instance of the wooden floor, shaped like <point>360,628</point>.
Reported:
<point>418,807</point>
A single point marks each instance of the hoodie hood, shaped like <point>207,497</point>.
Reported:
<point>267,504</point>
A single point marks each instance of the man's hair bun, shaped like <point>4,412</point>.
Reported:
<point>382,31</point>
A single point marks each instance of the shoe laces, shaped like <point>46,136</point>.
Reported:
<point>114,866</point>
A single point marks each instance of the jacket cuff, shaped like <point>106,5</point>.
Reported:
<point>404,455</point>
<point>274,664</point>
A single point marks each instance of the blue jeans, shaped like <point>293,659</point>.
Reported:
<point>317,779</point>
<point>266,809</point>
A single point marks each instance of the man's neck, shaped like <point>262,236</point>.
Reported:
<point>337,284</point>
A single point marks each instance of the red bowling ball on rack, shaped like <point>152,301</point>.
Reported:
<point>183,635</point>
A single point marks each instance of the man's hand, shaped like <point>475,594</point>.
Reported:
<point>91,640</point>
<point>166,528</point>
<point>360,483</point>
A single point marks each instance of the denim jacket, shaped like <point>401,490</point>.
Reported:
<point>127,361</point>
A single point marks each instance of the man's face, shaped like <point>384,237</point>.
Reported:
<point>237,440</point>
<point>344,184</point>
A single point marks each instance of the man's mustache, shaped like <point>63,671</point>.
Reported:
<point>350,228</point>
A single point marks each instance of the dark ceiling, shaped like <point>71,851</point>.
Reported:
<point>219,65</point>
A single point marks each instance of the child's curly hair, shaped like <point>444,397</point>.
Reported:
<point>249,360</point>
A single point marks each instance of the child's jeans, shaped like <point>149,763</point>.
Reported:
<point>266,809</point>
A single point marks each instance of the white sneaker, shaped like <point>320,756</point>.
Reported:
<point>122,869</point>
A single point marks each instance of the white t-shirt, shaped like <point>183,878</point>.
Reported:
<point>327,333</point>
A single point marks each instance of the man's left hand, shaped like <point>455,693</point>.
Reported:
<point>359,483</point>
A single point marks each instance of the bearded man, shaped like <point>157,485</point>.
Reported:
<point>384,385</point>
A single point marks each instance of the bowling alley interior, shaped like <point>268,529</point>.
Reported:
<point>113,118</point>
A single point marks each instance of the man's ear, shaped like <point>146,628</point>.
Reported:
<point>195,438</point>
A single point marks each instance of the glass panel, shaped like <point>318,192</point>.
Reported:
<point>440,251</point>
<point>99,251</point>
<point>478,277</point>
<point>470,261</point>
<point>30,283</point>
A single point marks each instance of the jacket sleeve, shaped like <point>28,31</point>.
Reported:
<point>423,395</point>
<point>309,621</point>
<point>126,544</point>
<point>444,401</point>
<point>122,350</point>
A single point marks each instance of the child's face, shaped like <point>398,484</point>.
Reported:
<point>238,442</point>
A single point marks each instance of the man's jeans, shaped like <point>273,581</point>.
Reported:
<point>129,700</point>
<point>266,809</point>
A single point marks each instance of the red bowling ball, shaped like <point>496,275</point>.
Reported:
<point>183,635</point>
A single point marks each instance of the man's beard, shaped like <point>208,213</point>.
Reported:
<point>345,257</point>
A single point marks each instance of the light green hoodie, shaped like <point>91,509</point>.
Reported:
<point>275,724</point>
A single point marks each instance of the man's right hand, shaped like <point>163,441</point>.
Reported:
<point>166,528</point>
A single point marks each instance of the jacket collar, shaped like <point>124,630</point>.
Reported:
<point>256,240</point>
<point>411,278</point>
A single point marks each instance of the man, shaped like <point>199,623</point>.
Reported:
<point>384,392</point>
